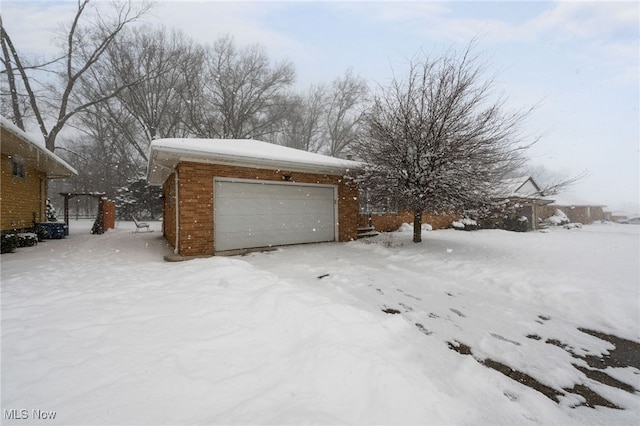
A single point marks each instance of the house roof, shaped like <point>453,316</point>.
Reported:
<point>523,187</point>
<point>567,200</point>
<point>15,142</point>
<point>165,154</point>
<point>517,187</point>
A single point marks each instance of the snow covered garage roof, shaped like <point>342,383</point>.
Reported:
<point>17,143</point>
<point>165,154</point>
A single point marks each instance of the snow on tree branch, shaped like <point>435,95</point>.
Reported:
<point>438,138</point>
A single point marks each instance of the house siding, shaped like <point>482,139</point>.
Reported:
<point>21,199</point>
<point>196,202</point>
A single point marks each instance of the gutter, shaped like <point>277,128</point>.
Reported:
<point>182,154</point>
<point>175,249</point>
<point>38,149</point>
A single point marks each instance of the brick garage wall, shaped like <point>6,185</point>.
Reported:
<point>20,197</point>
<point>195,207</point>
<point>391,222</point>
<point>195,193</point>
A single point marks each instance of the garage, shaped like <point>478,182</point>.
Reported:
<point>221,196</point>
<point>251,214</point>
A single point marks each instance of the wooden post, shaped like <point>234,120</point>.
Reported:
<point>66,208</point>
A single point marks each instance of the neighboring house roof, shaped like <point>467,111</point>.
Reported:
<point>568,200</point>
<point>165,154</point>
<point>624,214</point>
<point>521,187</point>
<point>20,144</point>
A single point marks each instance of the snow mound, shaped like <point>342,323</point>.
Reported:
<point>465,224</point>
<point>209,341</point>
<point>406,227</point>
<point>557,218</point>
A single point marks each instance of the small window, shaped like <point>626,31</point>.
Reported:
<point>18,168</point>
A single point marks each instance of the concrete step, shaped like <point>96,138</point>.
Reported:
<point>367,231</point>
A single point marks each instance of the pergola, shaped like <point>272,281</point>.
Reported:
<point>106,210</point>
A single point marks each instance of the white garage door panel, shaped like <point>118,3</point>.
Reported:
<point>249,214</point>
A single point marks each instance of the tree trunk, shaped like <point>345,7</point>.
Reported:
<point>417,226</point>
<point>15,103</point>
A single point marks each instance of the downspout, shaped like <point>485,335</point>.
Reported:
<point>176,250</point>
<point>43,199</point>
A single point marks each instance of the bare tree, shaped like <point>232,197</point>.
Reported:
<point>549,181</point>
<point>242,93</point>
<point>439,139</point>
<point>84,45</point>
<point>104,149</point>
<point>343,112</point>
<point>301,125</point>
<point>326,118</point>
<point>12,63</point>
<point>167,66</point>
<point>7,54</point>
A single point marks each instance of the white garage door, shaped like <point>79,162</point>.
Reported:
<point>262,214</point>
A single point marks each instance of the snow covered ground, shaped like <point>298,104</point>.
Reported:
<point>100,330</point>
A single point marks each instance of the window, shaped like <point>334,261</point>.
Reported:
<point>371,204</point>
<point>18,168</point>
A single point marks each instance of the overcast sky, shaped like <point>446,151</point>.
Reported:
<point>577,61</point>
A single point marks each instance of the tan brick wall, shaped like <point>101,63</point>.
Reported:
<point>391,222</point>
<point>348,210</point>
<point>195,198</point>
<point>195,193</point>
<point>21,198</point>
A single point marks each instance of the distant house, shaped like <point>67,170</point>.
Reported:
<point>524,194</point>
<point>26,167</point>
<point>618,216</point>
<point>521,195</point>
<point>577,210</point>
<point>225,195</point>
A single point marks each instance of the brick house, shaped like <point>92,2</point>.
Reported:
<point>577,210</point>
<point>25,169</point>
<point>225,195</point>
<point>524,193</point>
<point>521,192</point>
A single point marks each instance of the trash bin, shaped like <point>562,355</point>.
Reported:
<point>54,230</point>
